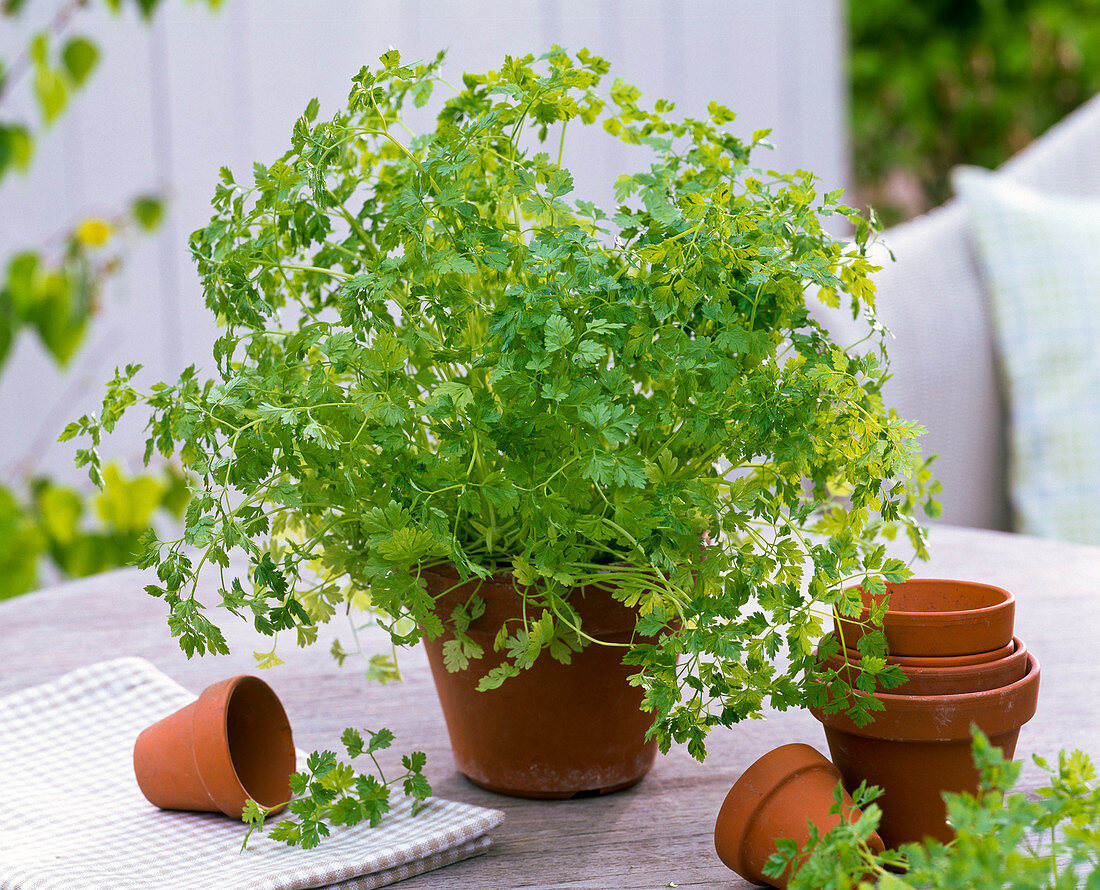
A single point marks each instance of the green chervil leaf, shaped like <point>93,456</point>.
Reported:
<point>330,791</point>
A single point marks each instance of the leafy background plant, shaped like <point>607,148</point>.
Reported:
<point>51,291</point>
<point>949,82</point>
<point>430,354</point>
<point>1045,840</point>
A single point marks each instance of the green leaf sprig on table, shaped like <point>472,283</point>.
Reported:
<point>432,353</point>
<point>331,791</point>
<point>1046,840</point>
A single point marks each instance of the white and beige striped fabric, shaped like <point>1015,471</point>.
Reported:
<point>75,818</point>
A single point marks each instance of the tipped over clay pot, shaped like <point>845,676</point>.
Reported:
<point>933,617</point>
<point>920,746</point>
<point>773,799</point>
<point>231,744</point>
<point>951,680</point>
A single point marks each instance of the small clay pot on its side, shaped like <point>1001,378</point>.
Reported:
<point>775,798</point>
<point>933,617</point>
<point>231,744</point>
<point>945,680</point>
<point>556,730</point>
<point>920,746</point>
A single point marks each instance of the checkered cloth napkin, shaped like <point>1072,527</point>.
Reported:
<point>73,815</point>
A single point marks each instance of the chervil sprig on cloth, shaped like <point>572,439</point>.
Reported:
<point>332,791</point>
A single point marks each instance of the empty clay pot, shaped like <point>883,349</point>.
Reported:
<point>932,617</point>
<point>556,730</point>
<point>919,747</point>
<point>773,799</point>
<point>946,680</point>
<point>940,660</point>
<point>231,744</point>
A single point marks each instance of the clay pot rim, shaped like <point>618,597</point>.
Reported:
<point>606,617</point>
<point>927,661</point>
<point>947,632</point>
<point>909,615</point>
<point>1006,707</point>
<point>776,768</point>
<point>1017,646</point>
<point>914,702</point>
<point>210,722</point>
<point>449,571</point>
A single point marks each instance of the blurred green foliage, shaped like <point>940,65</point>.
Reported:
<point>51,291</point>
<point>945,82</point>
<point>51,523</point>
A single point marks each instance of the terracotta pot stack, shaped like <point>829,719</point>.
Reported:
<point>954,642</point>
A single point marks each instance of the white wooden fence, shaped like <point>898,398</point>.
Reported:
<point>174,101</point>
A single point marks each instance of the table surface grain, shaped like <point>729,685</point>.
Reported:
<point>658,833</point>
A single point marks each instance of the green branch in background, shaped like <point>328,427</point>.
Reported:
<point>81,536</point>
<point>948,82</point>
<point>52,290</point>
<point>1046,840</point>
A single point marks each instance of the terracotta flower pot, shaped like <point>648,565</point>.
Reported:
<point>919,747</point>
<point>556,730</point>
<point>940,660</point>
<point>231,744</point>
<point>936,617</point>
<point>775,798</point>
<point>946,680</point>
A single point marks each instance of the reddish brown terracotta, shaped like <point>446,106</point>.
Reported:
<point>945,680</point>
<point>775,798</point>
<point>556,730</point>
<point>937,617</point>
<point>919,747</point>
<point>941,660</point>
<point>231,744</point>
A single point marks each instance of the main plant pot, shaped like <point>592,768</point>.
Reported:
<point>934,617</point>
<point>556,730</point>
<point>778,797</point>
<point>920,746</point>
<point>231,744</point>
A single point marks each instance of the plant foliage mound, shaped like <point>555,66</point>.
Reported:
<point>433,352</point>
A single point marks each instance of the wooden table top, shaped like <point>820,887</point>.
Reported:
<point>658,833</point>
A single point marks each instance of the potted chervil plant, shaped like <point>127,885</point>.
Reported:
<point>554,441</point>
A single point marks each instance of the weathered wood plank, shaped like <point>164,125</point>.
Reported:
<point>656,833</point>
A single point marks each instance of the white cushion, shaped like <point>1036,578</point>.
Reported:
<point>1040,259</point>
<point>942,362</point>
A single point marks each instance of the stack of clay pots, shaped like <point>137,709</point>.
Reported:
<point>954,642</point>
